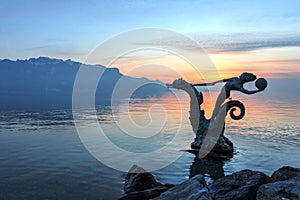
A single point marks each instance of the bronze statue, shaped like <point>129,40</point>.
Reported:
<point>235,83</point>
<point>210,139</point>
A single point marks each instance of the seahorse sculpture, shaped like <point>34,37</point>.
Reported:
<point>210,139</point>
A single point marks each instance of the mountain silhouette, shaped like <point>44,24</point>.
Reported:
<point>48,83</point>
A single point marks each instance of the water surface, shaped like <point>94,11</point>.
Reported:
<point>42,156</point>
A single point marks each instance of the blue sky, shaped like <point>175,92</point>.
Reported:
<point>71,29</point>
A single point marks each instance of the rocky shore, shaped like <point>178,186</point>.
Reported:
<point>284,183</point>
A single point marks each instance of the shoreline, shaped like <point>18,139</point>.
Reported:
<point>284,183</point>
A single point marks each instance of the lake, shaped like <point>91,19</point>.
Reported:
<point>43,157</point>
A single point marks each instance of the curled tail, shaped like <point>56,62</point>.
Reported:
<point>232,107</point>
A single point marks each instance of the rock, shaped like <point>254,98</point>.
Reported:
<point>286,185</point>
<point>138,179</point>
<point>223,146</point>
<point>285,173</point>
<point>140,184</point>
<point>222,150</point>
<point>240,185</point>
<point>287,189</point>
<point>193,188</point>
<point>147,194</point>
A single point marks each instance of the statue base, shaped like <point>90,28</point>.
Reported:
<point>223,149</point>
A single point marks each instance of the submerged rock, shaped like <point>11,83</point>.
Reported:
<point>241,185</point>
<point>193,188</point>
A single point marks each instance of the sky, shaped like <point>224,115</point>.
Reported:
<point>258,36</point>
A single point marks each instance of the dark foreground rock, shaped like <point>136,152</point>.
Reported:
<point>138,179</point>
<point>140,184</point>
<point>288,189</point>
<point>147,194</point>
<point>286,185</point>
<point>244,185</point>
<point>193,188</point>
<point>240,185</point>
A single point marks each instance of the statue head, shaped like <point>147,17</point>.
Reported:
<point>247,77</point>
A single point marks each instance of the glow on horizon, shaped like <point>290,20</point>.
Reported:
<point>268,63</point>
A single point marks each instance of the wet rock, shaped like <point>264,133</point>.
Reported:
<point>193,188</point>
<point>240,185</point>
<point>287,189</point>
<point>138,179</point>
<point>285,173</point>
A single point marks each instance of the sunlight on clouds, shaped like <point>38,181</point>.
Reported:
<point>267,62</point>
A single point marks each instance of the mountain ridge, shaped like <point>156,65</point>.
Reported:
<point>45,82</point>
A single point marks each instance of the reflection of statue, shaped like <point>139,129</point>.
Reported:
<point>205,166</point>
<point>211,131</point>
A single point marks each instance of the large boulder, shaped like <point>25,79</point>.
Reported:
<point>241,185</point>
<point>138,179</point>
<point>288,189</point>
<point>286,185</point>
<point>140,184</point>
<point>191,189</point>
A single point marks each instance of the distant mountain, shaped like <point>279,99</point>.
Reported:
<point>48,83</point>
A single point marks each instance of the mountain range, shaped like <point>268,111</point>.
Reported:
<point>48,83</point>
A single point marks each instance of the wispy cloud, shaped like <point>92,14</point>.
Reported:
<point>230,43</point>
<point>244,43</point>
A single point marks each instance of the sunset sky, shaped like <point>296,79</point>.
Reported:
<point>258,36</point>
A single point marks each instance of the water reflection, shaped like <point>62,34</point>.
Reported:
<point>210,168</point>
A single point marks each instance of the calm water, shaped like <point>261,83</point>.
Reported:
<point>42,157</point>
